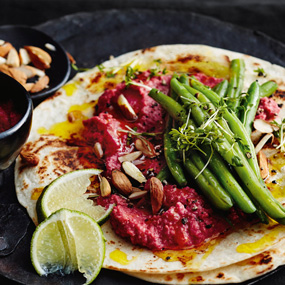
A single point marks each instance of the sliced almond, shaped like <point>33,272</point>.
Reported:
<point>5,48</point>
<point>263,164</point>
<point>263,141</point>
<point>133,171</point>
<point>28,86</point>
<point>13,59</point>
<point>98,150</point>
<point>29,158</point>
<point>137,195</point>
<point>50,47</point>
<point>105,187</point>
<point>40,58</point>
<point>130,156</point>
<point>156,194</point>
<point>24,56</point>
<point>263,126</point>
<point>18,75</point>
<point>35,71</point>
<point>27,70</point>
<point>146,147</point>
<point>126,109</point>
<point>256,136</point>
<point>40,84</point>
<point>121,182</point>
<point>2,42</point>
<point>2,60</point>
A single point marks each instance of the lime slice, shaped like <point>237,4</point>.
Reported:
<point>69,191</point>
<point>68,241</point>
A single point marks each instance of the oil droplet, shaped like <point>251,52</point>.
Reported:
<point>261,244</point>
<point>63,129</point>
<point>36,193</point>
<point>121,257</point>
<point>69,88</point>
<point>82,107</point>
<point>193,258</point>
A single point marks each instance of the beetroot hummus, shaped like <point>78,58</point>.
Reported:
<point>268,109</point>
<point>186,219</point>
<point>108,126</point>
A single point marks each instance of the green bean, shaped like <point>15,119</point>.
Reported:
<point>230,184</point>
<point>234,123</point>
<point>250,106</point>
<point>172,157</point>
<point>164,174</point>
<point>218,166</point>
<point>174,109</point>
<point>237,69</point>
<point>268,88</point>
<point>247,174</point>
<point>221,145</point>
<point>184,79</point>
<point>221,88</point>
<point>203,182</point>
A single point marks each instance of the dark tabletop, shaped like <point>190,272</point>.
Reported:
<point>265,16</point>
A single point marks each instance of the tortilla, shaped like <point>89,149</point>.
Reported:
<point>56,157</point>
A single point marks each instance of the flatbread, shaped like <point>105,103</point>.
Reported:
<point>50,119</point>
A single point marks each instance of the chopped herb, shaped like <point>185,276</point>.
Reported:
<point>110,74</point>
<point>260,72</point>
<point>130,75</point>
<point>100,67</point>
<point>158,61</point>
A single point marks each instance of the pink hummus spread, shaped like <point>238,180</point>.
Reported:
<point>186,219</point>
<point>268,109</point>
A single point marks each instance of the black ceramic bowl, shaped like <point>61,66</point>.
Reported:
<point>12,139</point>
<point>20,36</point>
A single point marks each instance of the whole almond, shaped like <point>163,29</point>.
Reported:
<point>40,58</point>
<point>156,194</point>
<point>5,69</point>
<point>105,187</point>
<point>30,158</point>
<point>5,48</point>
<point>40,84</point>
<point>28,86</point>
<point>18,75</point>
<point>121,182</point>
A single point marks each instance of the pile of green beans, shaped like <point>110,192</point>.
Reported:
<point>226,170</point>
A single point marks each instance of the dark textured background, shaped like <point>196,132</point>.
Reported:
<point>264,16</point>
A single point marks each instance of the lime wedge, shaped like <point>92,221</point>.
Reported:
<point>68,241</point>
<point>69,191</point>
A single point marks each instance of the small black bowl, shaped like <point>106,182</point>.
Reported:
<point>20,36</point>
<point>12,139</point>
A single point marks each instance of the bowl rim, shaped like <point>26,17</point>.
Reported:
<point>28,112</point>
<point>45,94</point>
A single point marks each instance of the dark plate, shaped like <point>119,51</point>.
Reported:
<point>59,71</point>
<point>91,38</point>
